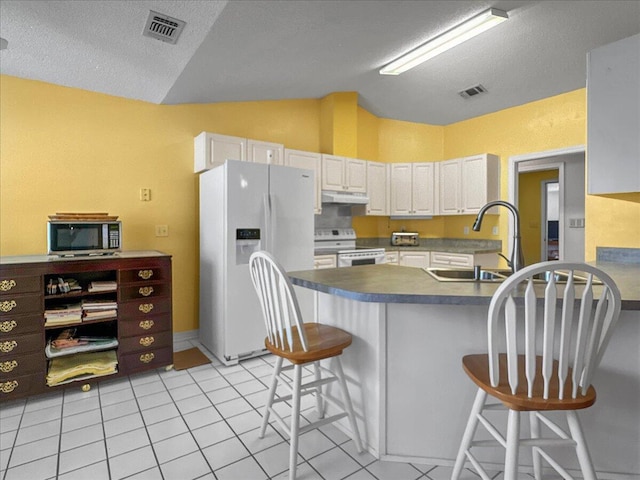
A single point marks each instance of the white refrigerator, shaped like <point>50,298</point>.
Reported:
<point>245,207</point>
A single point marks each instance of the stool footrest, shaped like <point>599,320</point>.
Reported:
<point>321,422</point>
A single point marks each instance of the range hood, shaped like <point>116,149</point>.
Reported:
<point>344,198</point>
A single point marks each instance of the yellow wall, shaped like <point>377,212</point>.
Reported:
<point>65,149</point>
<point>530,196</point>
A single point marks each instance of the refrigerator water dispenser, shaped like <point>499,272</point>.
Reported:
<point>247,242</point>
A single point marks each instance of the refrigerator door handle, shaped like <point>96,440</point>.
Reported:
<point>266,199</point>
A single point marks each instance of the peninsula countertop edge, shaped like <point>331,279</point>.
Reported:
<point>386,283</point>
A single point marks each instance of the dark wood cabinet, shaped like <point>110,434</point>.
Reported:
<point>142,324</point>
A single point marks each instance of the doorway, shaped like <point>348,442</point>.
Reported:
<point>570,166</point>
<point>550,216</point>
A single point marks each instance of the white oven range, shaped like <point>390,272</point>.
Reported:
<point>342,241</point>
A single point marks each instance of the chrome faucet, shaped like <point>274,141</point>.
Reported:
<point>517,258</point>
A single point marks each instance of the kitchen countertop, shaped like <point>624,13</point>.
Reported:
<point>386,283</point>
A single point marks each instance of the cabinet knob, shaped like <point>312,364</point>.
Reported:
<point>8,387</point>
<point>145,274</point>
<point>146,341</point>
<point>8,325</point>
<point>146,324</point>
<point>147,357</point>
<point>145,291</point>
<point>6,285</point>
<point>8,305</point>
<point>145,307</point>
<point>6,367</point>
<point>6,347</point>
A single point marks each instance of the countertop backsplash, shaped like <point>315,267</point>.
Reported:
<point>618,255</point>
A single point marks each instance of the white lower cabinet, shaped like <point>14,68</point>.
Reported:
<point>414,259</point>
<point>325,261</point>
<point>392,257</point>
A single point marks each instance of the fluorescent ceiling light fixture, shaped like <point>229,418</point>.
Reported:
<point>447,40</point>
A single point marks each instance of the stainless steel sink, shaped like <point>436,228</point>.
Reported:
<point>494,275</point>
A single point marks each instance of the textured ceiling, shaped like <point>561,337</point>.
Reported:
<point>246,50</point>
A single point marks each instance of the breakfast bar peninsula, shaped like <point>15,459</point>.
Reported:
<point>404,368</point>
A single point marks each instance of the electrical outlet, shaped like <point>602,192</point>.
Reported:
<point>162,230</point>
<point>145,194</point>
<point>494,230</point>
<point>466,230</point>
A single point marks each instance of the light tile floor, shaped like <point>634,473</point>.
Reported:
<point>200,423</point>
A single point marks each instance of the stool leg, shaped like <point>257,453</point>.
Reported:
<point>295,421</point>
<point>355,434</point>
<point>513,444</point>
<point>469,432</point>
<point>319,402</point>
<point>588,472</point>
<point>535,433</point>
<point>272,392</point>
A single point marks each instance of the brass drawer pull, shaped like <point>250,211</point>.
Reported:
<point>147,357</point>
<point>6,347</point>
<point>6,285</point>
<point>145,274</point>
<point>146,341</point>
<point>145,307</point>
<point>146,324</point>
<point>6,367</point>
<point>8,325</point>
<point>8,387</point>
<point>8,305</point>
<point>145,291</point>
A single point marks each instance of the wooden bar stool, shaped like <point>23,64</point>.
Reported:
<point>547,335</point>
<point>301,344</point>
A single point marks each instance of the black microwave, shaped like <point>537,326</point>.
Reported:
<point>84,238</point>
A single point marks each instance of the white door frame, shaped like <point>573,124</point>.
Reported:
<point>516,166</point>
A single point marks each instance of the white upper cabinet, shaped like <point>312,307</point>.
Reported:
<point>466,184</point>
<point>308,161</point>
<point>412,187</point>
<point>212,149</point>
<point>265,152</point>
<point>344,174</point>
<point>377,189</point>
<point>613,117</point>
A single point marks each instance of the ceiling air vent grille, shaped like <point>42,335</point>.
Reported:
<point>163,27</point>
<point>472,91</point>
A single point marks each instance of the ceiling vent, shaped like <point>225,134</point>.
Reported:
<point>472,91</point>
<point>163,27</point>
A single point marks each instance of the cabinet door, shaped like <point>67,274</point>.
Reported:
<point>377,189</point>
<point>414,259</point>
<point>480,178</point>
<point>422,189</point>
<point>265,152</point>
<point>355,175</point>
<point>212,149</point>
<point>308,161</point>
<point>449,187</point>
<point>401,179</point>
<point>392,258</point>
<point>333,177</point>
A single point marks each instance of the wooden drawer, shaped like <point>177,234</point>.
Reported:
<point>144,326</point>
<point>153,358</point>
<point>148,290</point>
<point>19,344</point>
<point>139,309</point>
<point>13,366</point>
<point>19,304</point>
<point>150,341</point>
<point>10,284</point>
<point>151,274</point>
<point>22,386</point>
<point>12,325</point>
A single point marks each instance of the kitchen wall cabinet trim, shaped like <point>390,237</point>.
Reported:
<point>344,174</point>
<point>613,117</point>
<point>143,325</point>
<point>308,161</point>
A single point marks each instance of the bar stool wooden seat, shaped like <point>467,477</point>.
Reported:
<point>546,336</point>
<point>288,338</point>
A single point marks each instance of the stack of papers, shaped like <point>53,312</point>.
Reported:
<point>63,314</point>
<point>102,286</point>
<point>99,309</point>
